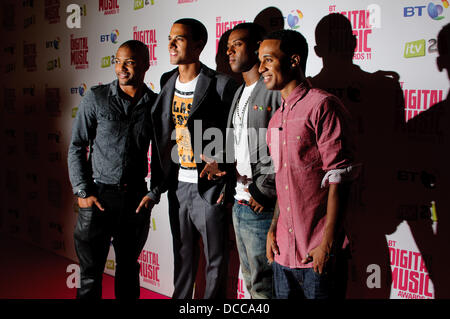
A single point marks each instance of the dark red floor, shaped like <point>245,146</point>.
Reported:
<point>29,272</point>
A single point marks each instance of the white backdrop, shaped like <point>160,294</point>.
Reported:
<point>46,68</point>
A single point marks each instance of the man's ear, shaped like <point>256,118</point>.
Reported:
<point>295,61</point>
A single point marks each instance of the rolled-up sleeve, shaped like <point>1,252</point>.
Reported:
<point>334,142</point>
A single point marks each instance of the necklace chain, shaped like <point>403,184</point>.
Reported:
<point>240,116</point>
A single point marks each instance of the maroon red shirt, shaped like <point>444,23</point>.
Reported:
<point>308,137</point>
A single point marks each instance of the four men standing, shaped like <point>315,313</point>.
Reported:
<point>310,150</point>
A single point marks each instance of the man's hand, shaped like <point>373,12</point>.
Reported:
<point>220,199</point>
<point>147,203</point>
<point>89,202</point>
<point>257,207</point>
<point>271,246</point>
<point>319,256</point>
<point>211,169</point>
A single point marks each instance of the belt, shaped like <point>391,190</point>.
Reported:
<point>122,187</point>
<point>188,168</point>
<point>243,202</point>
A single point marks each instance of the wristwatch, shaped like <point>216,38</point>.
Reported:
<point>82,193</point>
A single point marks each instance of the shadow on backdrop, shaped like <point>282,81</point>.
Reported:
<point>375,102</point>
<point>427,150</point>
<point>271,19</point>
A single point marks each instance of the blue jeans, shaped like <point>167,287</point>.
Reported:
<point>251,231</point>
<point>299,283</point>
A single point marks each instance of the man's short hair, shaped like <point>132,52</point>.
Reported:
<point>138,48</point>
<point>291,42</point>
<point>198,30</point>
<point>255,31</point>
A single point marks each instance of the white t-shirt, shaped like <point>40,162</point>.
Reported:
<point>241,148</point>
<point>181,108</point>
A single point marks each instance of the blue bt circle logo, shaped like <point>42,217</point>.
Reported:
<point>293,18</point>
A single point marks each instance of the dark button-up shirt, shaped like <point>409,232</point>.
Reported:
<point>308,142</point>
<point>118,136</point>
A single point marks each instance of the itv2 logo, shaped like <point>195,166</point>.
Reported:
<point>418,48</point>
<point>434,10</point>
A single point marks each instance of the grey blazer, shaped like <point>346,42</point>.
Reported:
<point>261,106</point>
<point>212,101</point>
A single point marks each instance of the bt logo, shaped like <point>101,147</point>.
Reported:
<point>434,10</point>
<point>293,18</point>
<point>53,43</point>
<point>113,36</point>
<point>428,180</point>
<point>82,89</point>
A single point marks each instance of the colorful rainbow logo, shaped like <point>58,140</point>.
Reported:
<point>114,36</point>
<point>435,10</point>
<point>82,89</point>
<point>56,43</point>
<point>293,19</point>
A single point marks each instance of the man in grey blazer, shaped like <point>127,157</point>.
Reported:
<point>194,101</point>
<point>254,182</point>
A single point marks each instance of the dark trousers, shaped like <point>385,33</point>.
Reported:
<point>93,233</point>
<point>299,283</point>
<point>190,217</point>
<point>304,283</point>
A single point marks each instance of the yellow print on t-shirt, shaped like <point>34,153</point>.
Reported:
<point>181,108</point>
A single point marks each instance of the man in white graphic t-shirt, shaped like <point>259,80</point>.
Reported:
<point>193,99</point>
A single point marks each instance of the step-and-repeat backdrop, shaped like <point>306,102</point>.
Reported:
<point>53,51</point>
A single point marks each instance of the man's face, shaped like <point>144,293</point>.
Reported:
<point>129,67</point>
<point>182,48</point>
<point>274,65</point>
<point>241,57</point>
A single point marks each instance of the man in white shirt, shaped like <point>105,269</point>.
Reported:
<point>193,99</point>
<point>255,194</point>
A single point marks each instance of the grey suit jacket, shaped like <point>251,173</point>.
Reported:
<point>261,106</point>
<point>212,100</point>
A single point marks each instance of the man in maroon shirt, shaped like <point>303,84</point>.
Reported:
<point>309,142</point>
